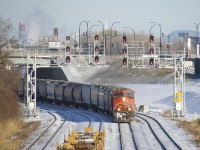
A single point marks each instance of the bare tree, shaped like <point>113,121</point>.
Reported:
<point>9,80</point>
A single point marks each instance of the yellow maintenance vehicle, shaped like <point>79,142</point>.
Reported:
<point>84,141</point>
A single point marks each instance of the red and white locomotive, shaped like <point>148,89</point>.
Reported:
<point>117,101</point>
<point>123,104</point>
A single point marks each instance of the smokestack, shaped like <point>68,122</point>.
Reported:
<point>55,32</point>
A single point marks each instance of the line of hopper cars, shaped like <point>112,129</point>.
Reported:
<point>117,101</point>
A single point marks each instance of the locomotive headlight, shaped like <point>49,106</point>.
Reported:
<point>129,109</point>
<point>123,99</point>
<point>118,109</point>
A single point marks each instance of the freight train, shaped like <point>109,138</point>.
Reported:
<point>116,101</point>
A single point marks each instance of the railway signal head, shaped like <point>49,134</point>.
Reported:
<point>124,51</point>
<point>68,59</point>
<point>124,39</point>
<point>96,59</point>
<point>124,61</point>
<point>67,38</point>
<point>151,51</point>
<point>151,38</point>
<point>96,37</point>
<point>96,48</point>
<point>151,61</point>
<point>67,49</point>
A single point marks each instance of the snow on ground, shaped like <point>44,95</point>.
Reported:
<point>181,137</point>
<point>126,136</point>
<point>112,136</point>
<point>46,119</point>
<point>159,97</point>
<point>74,122</point>
<point>156,96</point>
<point>143,136</point>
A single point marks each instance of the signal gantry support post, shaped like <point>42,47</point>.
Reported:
<point>31,109</point>
<point>179,88</point>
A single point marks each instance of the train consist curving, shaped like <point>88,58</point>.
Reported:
<point>117,101</point>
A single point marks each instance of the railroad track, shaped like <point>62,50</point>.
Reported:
<point>125,129</point>
<point>56,131</point>
<point>163,138</point>
<point>82,118</point>
<point>98,118</point>
<point>64,108</point>
<point>43,133</point>
<point>133,137</point>
<point>120,137</point>
<point>85,117</point>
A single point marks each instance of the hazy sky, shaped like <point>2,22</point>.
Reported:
<point>42,16</point>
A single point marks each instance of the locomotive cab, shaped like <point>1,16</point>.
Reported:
<point>123,105</point>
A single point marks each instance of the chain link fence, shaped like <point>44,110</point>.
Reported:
<point>131,80</point>
<point>137,80</point>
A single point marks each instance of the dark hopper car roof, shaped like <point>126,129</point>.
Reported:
<point>106,86</point>
<point>114,87</point>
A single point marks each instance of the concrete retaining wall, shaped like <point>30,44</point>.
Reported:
<point>51,73</point>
